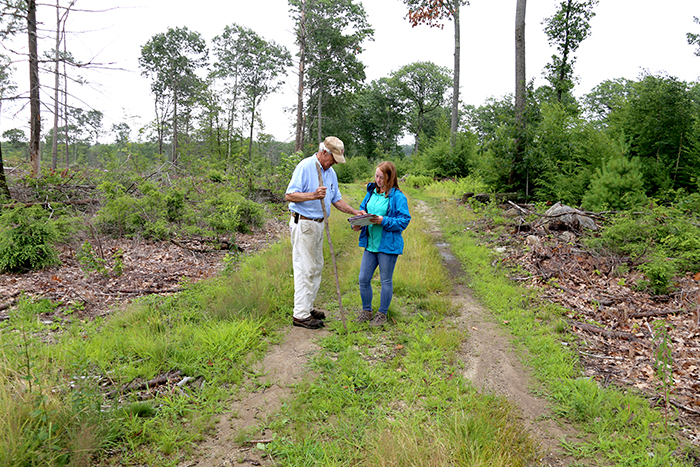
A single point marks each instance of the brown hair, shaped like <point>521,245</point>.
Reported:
<point>390,178</point>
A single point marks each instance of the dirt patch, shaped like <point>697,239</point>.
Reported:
<point>281,369</point>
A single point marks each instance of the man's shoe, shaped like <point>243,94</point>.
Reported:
<point>318,314</point>
<point>378,320</point>
<point>363,316</point>
<point>308,323</point>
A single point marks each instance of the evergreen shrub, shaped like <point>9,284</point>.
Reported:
<point>659,272</point>
<point>231,212</point>
<point>618,186</point>
<point>27,239</point>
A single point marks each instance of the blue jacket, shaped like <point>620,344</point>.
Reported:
<point>394,223</point>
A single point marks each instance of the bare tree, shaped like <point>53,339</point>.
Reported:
<point>301,38</point>
<point>520,88</point>
<point>34,99</point>
<point>61,20</point>
<point>431,12</point>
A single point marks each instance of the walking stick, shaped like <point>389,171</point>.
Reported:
<point>330,244</point>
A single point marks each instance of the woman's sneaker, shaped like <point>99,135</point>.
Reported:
<point>378,320</point>
<point>363,316</point>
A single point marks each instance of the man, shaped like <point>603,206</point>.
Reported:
<point>306,225</point>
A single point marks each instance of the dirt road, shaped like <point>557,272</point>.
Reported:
<point>490,363</point>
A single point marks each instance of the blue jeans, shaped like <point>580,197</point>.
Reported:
<point>386,263</point>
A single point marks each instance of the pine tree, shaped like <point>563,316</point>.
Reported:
<point>618,186</point>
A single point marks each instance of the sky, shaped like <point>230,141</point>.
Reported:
<point>627,38</point>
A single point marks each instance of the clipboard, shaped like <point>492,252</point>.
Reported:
<point>361,220</point>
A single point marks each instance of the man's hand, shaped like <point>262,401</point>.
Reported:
<point>320,193</point>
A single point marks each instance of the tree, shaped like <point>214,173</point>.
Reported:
<point>265,69</point>
<point>229,47</point>
<point>431,12</point>
<point>520,89</point>
<point>569,26</point>
<point>422,85</point>
<point>330,36</point>
<point>617,186</point>
<point>657,120</point>
<point>59,57</point>
<point>605,98</point>
<point>694,39</point>
<point>34,99</point>
<point>378,118</point>
<point>252,66</point>
<point>16,14</point>
<point>121,133</point>
<point>171,60</point>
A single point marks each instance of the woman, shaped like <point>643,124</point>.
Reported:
<point>382,240</point>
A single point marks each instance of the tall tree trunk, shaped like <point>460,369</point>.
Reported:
<point>420,130</point>
<point>319,116</point>
<point>65,100</point>
<point>229,148</point>
<point>34,100</point>
<point>565,53</point>
<point>56,105</point>
<point>175,96</point>
<point>299,144</point>
<point>159,127</point>
<point>4,189</point>
<point>250,141</point>
<point>520,90</point>
<point>455,87</point>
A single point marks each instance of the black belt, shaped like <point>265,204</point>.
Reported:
<point>298,216</point>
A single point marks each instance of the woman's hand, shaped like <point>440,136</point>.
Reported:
<point>377,220</point>
<point>356,228</point>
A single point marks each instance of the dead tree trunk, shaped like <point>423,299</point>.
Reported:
<point>34,100</point>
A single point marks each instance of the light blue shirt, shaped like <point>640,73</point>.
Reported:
<point>305,180</point>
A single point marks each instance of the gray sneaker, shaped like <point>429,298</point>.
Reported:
<point>378,320</point>
<point>363,316</point>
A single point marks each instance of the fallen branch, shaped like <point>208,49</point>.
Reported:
<point>261,441</point>
<point>34,203</point>
<point>646,314</point>
<point>223,245</point>
<point>157,381</point>
<point>604,357</point>
<point>596,330</point>
<point>149,291</point>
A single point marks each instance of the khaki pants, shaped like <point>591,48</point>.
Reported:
<point>307,260</point>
